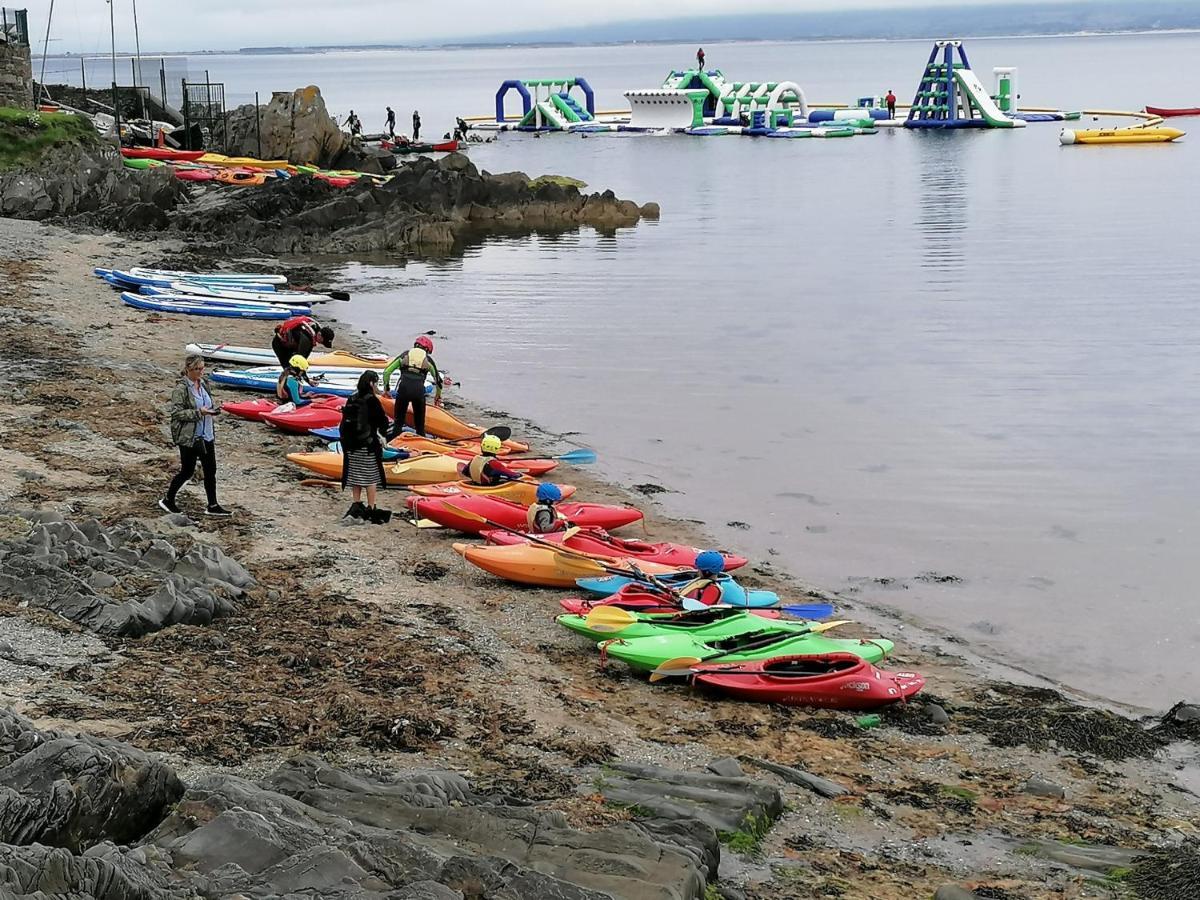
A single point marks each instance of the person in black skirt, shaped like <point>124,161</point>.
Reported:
<point>364,426</point>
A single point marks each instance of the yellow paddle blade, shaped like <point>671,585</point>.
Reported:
<point>819,627</point>
<point>609,618</point>
<point>571,532</point>
<point>673,668</point>
<point>426,523</point>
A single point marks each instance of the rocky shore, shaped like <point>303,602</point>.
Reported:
<point>276,705</point>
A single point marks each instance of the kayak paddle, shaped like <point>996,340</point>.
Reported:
<point>682,665</point>
<point>580,457</point>
<point>501,431</point>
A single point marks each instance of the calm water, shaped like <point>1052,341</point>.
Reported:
<point>972,353</point>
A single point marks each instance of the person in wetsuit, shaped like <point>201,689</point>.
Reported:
<point>291,388</point>
<point>414,365</point>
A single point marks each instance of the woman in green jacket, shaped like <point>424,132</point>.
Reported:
<point>192,414</point>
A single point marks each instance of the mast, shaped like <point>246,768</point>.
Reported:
<point>45,49</point>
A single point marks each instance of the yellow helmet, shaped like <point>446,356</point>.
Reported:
<point>491,444</point>
<point>299,362</point>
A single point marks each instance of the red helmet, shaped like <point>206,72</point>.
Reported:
<point>424,343</point>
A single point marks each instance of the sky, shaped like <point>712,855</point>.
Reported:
<point>82,26</point>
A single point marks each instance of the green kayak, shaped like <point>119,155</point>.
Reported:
<point>704,624</point>
<point>645,654</point>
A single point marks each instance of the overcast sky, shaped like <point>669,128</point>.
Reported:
<point>83,26</point>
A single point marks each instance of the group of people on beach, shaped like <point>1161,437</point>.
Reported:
<point>363,433</point>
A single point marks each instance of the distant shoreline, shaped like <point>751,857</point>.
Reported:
<point>497,45</point>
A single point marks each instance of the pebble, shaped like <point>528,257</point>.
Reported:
<point>953,892</point>
<point>727,767</point>
<point>936,714</point>
<point>1040,787</point>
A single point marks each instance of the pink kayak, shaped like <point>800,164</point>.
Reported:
<point>254,410</point>
<point>832,681</point>
<point>601,543</point>
<point>639,602</point>
<point>512,515</point>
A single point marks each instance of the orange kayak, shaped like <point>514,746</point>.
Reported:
<point>446,425</point>
<point>543,567</point>
<point>517,491</point>
<point>466,451</point>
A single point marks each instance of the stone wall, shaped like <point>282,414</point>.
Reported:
<point>16,76</point>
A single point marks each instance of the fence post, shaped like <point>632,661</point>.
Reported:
<point>83,78</point>
<point>258,124</point>
<point>187,127</point>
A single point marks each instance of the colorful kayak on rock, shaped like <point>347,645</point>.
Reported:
<point>539,566</point>
<point>323,412</point>
<point>714,622</point>
<point>523,492</point>
<point>830,681</point>
<point>643,603</point>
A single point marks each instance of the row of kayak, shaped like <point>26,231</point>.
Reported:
<point>243,171</point>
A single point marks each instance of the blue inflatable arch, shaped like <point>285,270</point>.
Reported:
<point>519,87</point>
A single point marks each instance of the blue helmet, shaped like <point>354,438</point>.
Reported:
<point>710,562</point>
<point>548,493</point>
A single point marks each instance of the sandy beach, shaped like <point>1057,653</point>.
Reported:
<point>379,649</point>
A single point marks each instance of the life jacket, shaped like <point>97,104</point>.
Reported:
<point>531,517</point>
<point>307,323</point>
<point>281,390</point>
<point>696,588</point>
<point>477,470</point>
<point>414,362</point>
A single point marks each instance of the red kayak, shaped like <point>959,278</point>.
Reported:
<point>601,543</point>
<point>323,412</point>
<point>639,602</point>
<point>512,515</point>
<point>164,153</point>
<point>254,410</point>
<point>833,681</point>
<point>1173,113</point>
<point>194,174</point>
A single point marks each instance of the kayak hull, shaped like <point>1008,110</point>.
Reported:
<point>639,602</point>
<point>536,566</point>
<point>648,653</point>
<point>265,356</point>
<point>522,492</point>
<point>829,681</point>
<point>253,410</point>
<point>445,425</point>
<point>602,544</point>
<point>325,412</point>
<point>614,584</point>
<point>512,515</point>
<point>420,470</point>
<point>716,622</point>
<point>1169,113</point>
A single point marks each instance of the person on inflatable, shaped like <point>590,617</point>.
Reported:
<point>297,336</point>
<point>542,517</point>
<point>484,469</point>
<point>700,59</point>
<point>290,388</point>
<point>414,365</point>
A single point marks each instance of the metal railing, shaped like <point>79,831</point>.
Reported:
<point>14,27</point>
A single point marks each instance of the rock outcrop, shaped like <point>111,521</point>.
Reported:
<point>75,181</point>
<point>294,126</point>
<point>92,818</point>
<point>123,581</point>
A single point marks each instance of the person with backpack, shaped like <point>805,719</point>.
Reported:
<point>484,469</point>
<point>364,423</point>
<point>298,336</point>
<point>414,366</point>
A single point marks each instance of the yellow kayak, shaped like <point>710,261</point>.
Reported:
<point>543,567</point>
<point>1121,136</point>
<point>432,469</point>
<point>349,360</point>
<point>245,162</point>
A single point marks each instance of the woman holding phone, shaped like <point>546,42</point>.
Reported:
<point>192,414</point>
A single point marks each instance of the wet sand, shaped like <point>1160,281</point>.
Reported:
<point>378,646</point>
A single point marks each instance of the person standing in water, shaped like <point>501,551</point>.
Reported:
<point>700,59</point>
<point>416,126</point>
<point>391,123</point>
<point>414,365</point>
<point>890,100</point>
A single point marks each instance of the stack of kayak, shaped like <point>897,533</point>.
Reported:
<point>240,295</point>
<point>239,171</point>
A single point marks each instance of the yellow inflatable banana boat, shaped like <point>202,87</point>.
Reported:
<point>1120,136</point>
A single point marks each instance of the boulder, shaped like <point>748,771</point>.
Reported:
<point>294,126</point>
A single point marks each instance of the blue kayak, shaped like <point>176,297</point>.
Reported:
<point>389,453</point>
<point>732,593</point>
<point>135,280</point>
<point>152,304</point>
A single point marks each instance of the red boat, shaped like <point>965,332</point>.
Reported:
<point>601,543</point>
<point>163,153</point>
<point>639,601</point>
<point>833,681</point>
<point>512,515</point>
<point>194,174</point>
<point>324,412</point>
<point>420,147</point>
<point>1173,113</point>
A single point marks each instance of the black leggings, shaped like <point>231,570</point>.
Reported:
<point>406,394</point>
<point>206,453</point>
<point>283,352</point>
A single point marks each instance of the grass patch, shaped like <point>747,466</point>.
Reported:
<point>26,135</point>
<point>960,793</point>
<point>747,839</point>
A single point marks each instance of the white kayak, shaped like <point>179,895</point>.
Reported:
<point>243,293</point>
<point>250,298</point>
<point>203,300</point>
<point>265,356</point>
<point>210,277</point>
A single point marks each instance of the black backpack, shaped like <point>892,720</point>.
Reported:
<point>355,430</point>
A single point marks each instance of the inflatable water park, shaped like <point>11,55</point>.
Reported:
<point>707,103</point>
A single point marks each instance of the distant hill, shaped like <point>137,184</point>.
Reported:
<point>946,21</point>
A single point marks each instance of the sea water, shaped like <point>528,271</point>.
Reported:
<point>955,372</point>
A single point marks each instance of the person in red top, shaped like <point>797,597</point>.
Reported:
<point>297,336</point>
<point>890,100</point>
